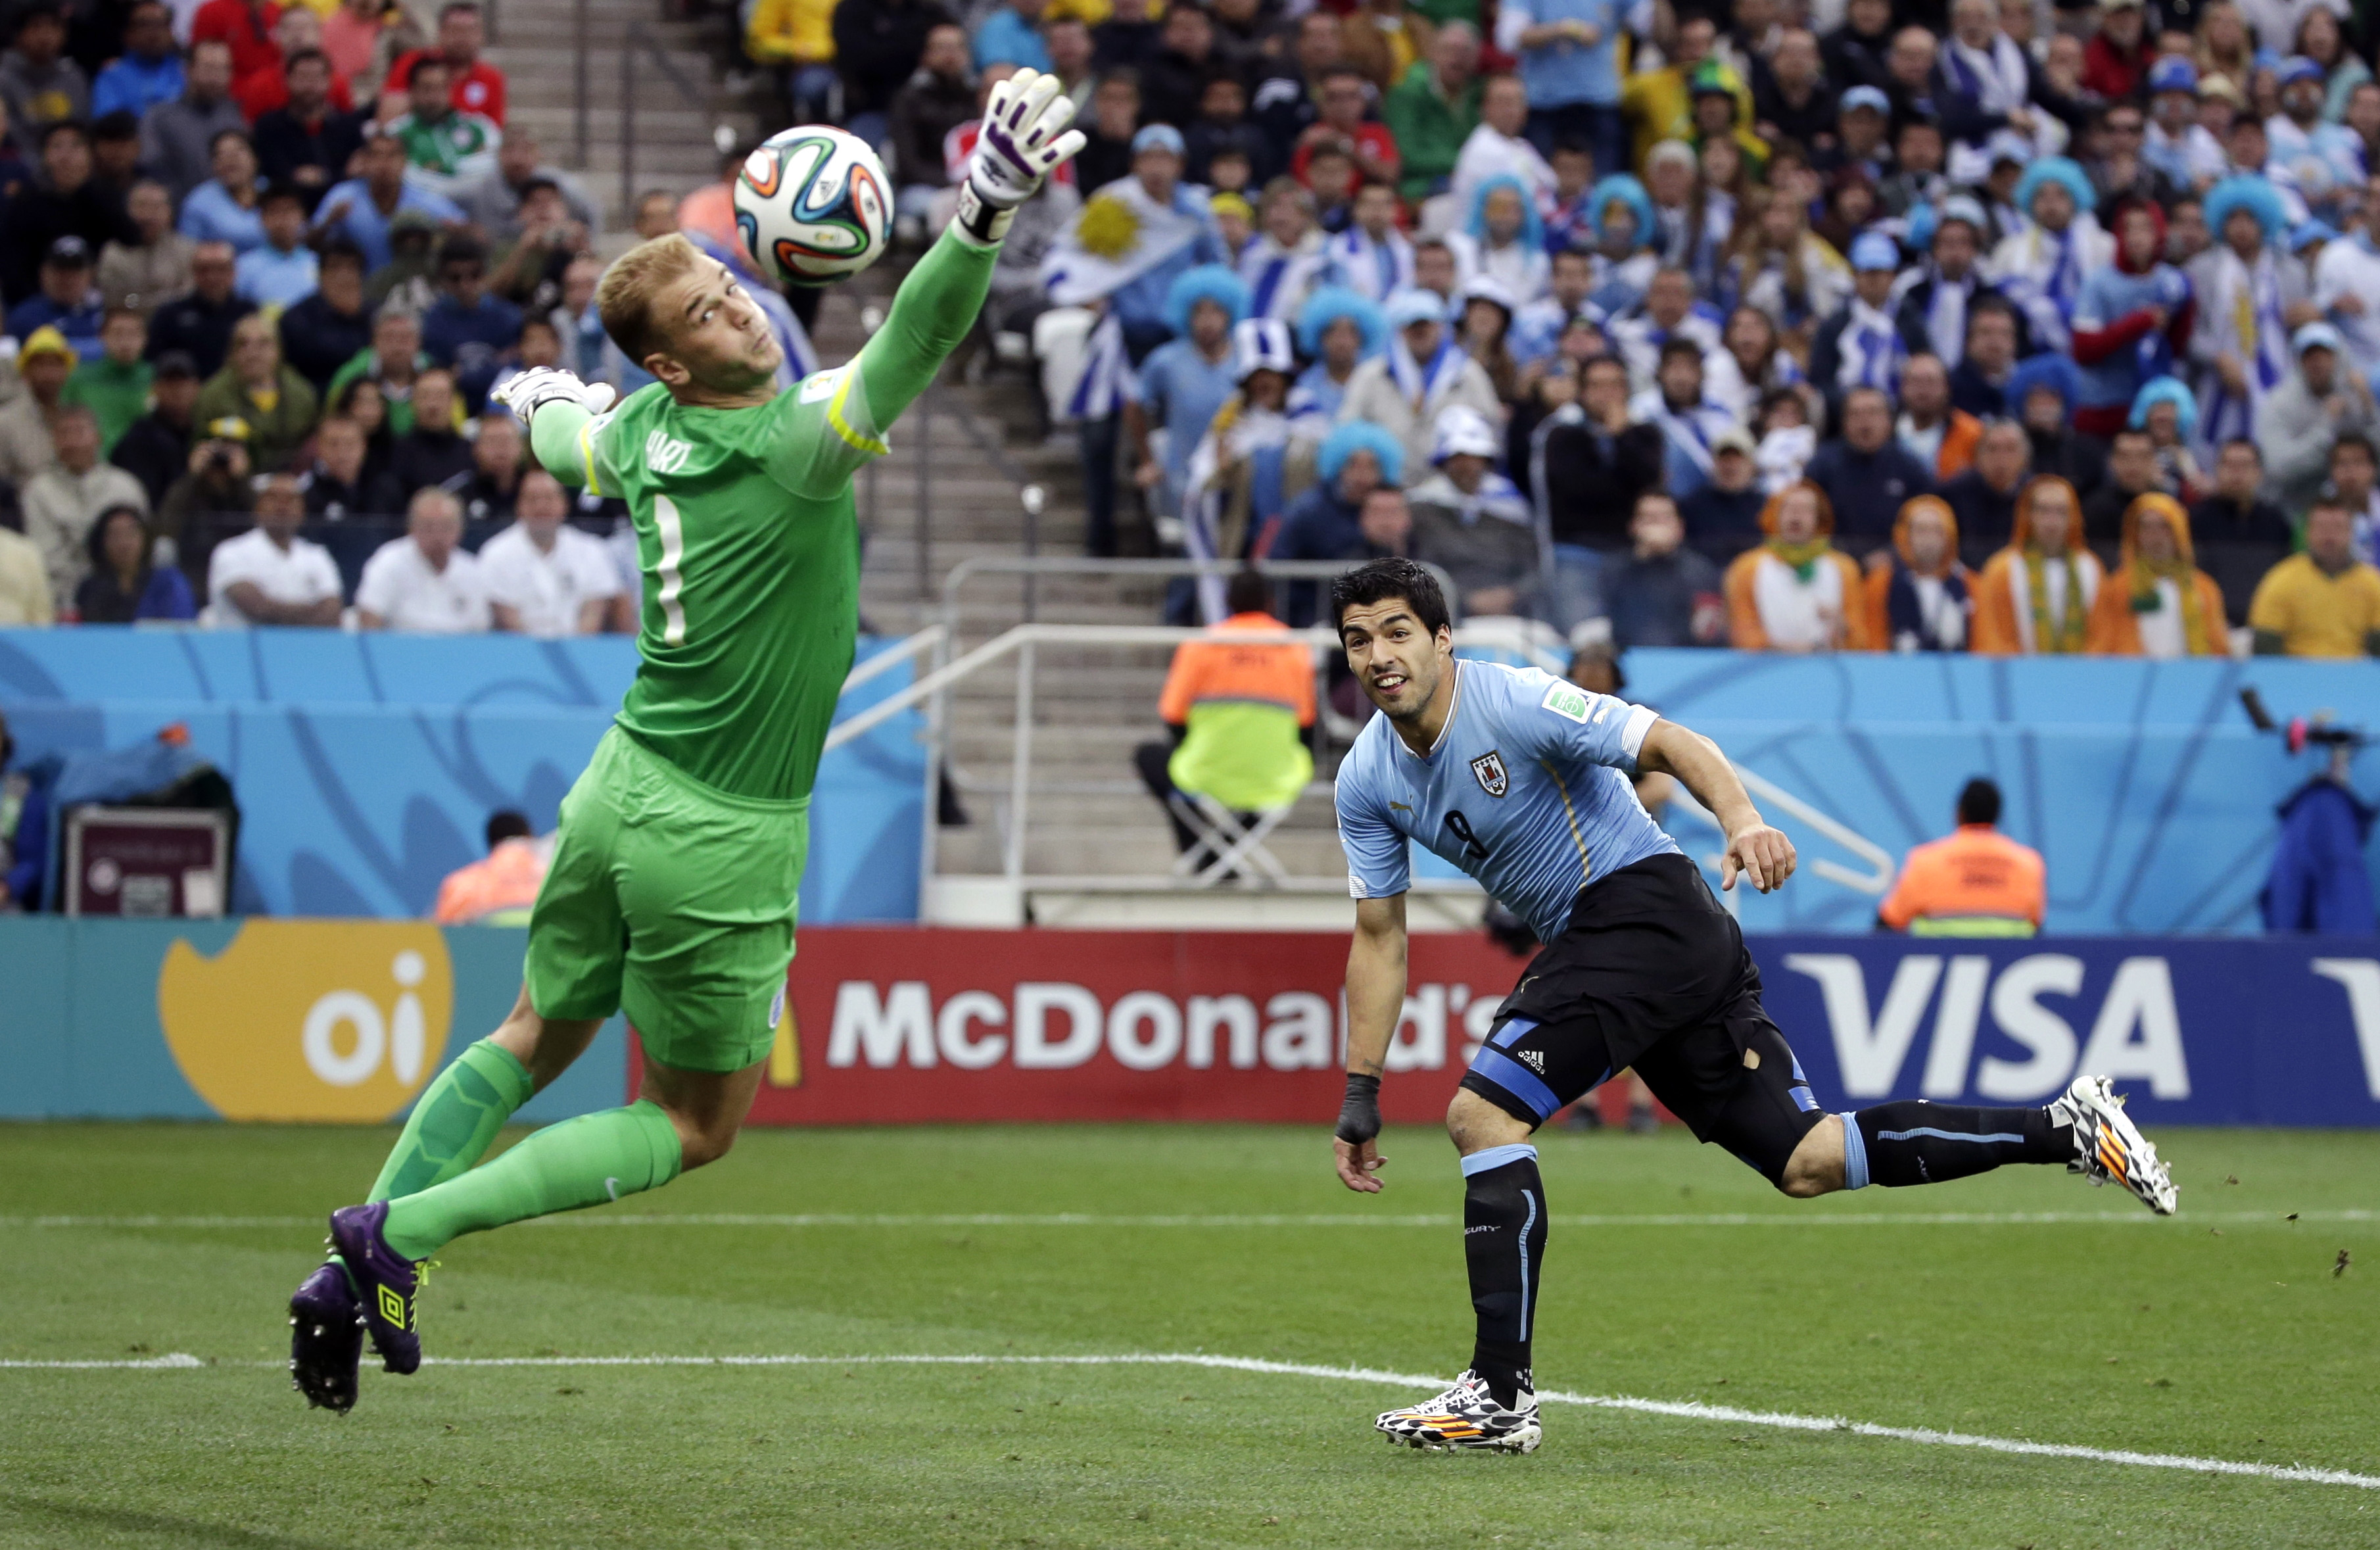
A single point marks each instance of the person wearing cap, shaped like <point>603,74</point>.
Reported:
<point>362,208</point>
<point>62,502</point>
<point>1795,593</point>
<point>154,263</point>
<point>1932,310</point>
<point>115,388</point>
<point>1472,521</point>
<point>156,448</point>
<point>200,324</point>
<point>1184,381</point>
<point>66,301</point>
<point>1658,104</point>
<point>2296,423</point>
<point>1148,229</point>
<point>2175,143</point>
<point>1233,491</point>
<point>1862,346</point>
<point>1722,517</point>
<point>43,363</point>
<point>1405,389</point>
<point>2240,345</point>
<point>2116,61</point>
<point>2041,267</point>
<point>2298,132</point>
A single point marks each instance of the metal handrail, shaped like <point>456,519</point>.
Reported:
<point>638,40</point>
<point>1031,567</point>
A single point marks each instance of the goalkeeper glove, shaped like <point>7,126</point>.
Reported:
<point>1023,138</point>
<point>540,386</point>
<point>1359,1113</point>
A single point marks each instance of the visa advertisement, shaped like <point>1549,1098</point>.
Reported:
<point>346,1022</point>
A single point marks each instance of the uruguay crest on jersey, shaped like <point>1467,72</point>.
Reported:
<point>1490,768</point>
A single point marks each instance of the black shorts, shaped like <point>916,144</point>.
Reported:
<point>1651,972</point>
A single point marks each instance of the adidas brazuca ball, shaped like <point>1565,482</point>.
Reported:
<point>813,205</point>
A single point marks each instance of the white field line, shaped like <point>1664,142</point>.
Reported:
<point>1342,1219</point>
<point>1681,1410</point>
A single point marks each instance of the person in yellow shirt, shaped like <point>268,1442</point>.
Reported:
<point>2322,601</point>
<point>1660,105</point>
<point>796,37</point>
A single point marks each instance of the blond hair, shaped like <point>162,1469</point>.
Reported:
<point>623,295</point>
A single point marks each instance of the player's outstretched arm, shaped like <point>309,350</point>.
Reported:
<point>1375,999</point>
<point>558,407</point>
<point>1762,854</point>
<point>1027,134</point>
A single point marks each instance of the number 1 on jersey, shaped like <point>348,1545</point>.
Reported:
<point>673,534</point>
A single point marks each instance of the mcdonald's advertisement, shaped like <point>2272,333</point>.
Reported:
<point>346,1022</point>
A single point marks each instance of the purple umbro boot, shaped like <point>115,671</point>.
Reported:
<point>326,1339</point>
<point>385,1281</point>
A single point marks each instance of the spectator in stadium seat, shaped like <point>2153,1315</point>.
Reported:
<point>937,98</point>
<point>199,325</point>
<point>796,40</point>
<point>66,301</point>
<point>1660,593</point>
<point>1423,371</point>
<point>468,330</point>
<point>496,201</point>
<point>149,71</point>
<point>1109,131</point>
<point>245,27</point>
<point>1722,516</point>
<point>1174,76</point>
<point>1338,330</point>
<point>114,386</point>
<point>1924,600</point>
<point>2037,594</point>
<point>1432,112</point>
<point>44,360</point>
<point>1236,714</point>
<point>1862,346</point>
<point>38,82</point>
<point>545,578</point>
<point>224,208</point>
<point>1986,368</point>
<point>177,137</point>
<point>1977,882</point>
<point>1795,593</point>
<point>143,273</point>
<point>1472,523</point>
<point>1285,260</point>
<point>497,465</point>
<point>324,330</point>
<point>125,585</point>
<point>339,485</point>
<point>1983,499</point>
<point>281,271</point>
<point>2041,267</point>
<point>269,575</point>
<point>473,85</point>
<point>2156,602</point>
<point>279,405</point>
<point>2296,422</point>
<point>1326,521</point>
<point>1569,61</point>
<point>1658,105</point>
<point>434,453</point>
<point>62,502</point>
<point>2354,468</point>
<point>65,202</point>
<point>1792,98</point>
<point>362,209</point>
<point>1591,462</point>
<point>877,45</point>
<point>499,889</point>
<point>1497,146</point>
<point>24,602</point>
<point>307,141</point>
<point>214,485</point>
<point>1866,474</point>
<point>425,582</point>
<point>2043,393</point>
<point>2132,472</point>
<point>297,33</point>
<point>351,37</point>
<point>2322,601</point>
<point>1344,99</point>
<point>2238,535</point>
<point>1939,435</point>
<point>1067,40</point>
<point>115,156</point>
<point>1224,129</point>
<point>1288,101</point>
<point>392,364</point>
<point>1184,381</point>
<point>156,447</point>
<point>449,148</point>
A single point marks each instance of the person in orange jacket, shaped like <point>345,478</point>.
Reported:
<point>1795,593</point>
<point>2037,594</point>
<point>1975,882</point>
<point>1924,600</point>
<point>499,890</point>
<point>2156,601</point>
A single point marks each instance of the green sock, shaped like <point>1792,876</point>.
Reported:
<point>456,1120</point>
<point>580,1161</point>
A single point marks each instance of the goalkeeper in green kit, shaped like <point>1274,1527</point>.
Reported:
<point>672,893</point>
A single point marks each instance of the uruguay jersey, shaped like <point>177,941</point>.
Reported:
<point>1527,790</point>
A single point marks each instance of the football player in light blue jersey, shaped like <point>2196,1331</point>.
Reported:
<point>1522,780</point>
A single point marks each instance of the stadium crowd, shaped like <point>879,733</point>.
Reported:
<point>1987,325</point>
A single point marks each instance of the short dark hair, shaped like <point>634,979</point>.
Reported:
<point>341,251</point>
<point>2129,433</point>
<point>1989,304</point>
<point>281,193</point>
<point>507,825</point>
<point>1678,345</point>
<point>2356,441</point>
<point>116,127</point>
<point>1394,576</point>
<point>1248,592</point>
<point>65,127</point>
<point>1979,802</point>
<point>302,56</point>
<point>2248,442</point>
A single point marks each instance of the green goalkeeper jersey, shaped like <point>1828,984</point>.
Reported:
<point>748,537</point>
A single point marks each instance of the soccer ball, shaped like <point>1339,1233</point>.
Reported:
<point>813,205</point>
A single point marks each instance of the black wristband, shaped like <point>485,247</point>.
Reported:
<point>1359,1112</point>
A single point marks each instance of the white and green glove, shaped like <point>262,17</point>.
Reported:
<point>540,386</point>
<point>1025,137</point>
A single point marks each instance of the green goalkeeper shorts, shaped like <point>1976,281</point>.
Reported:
<point>674,902</point>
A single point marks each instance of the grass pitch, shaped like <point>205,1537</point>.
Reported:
<point>2227,1334</point>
